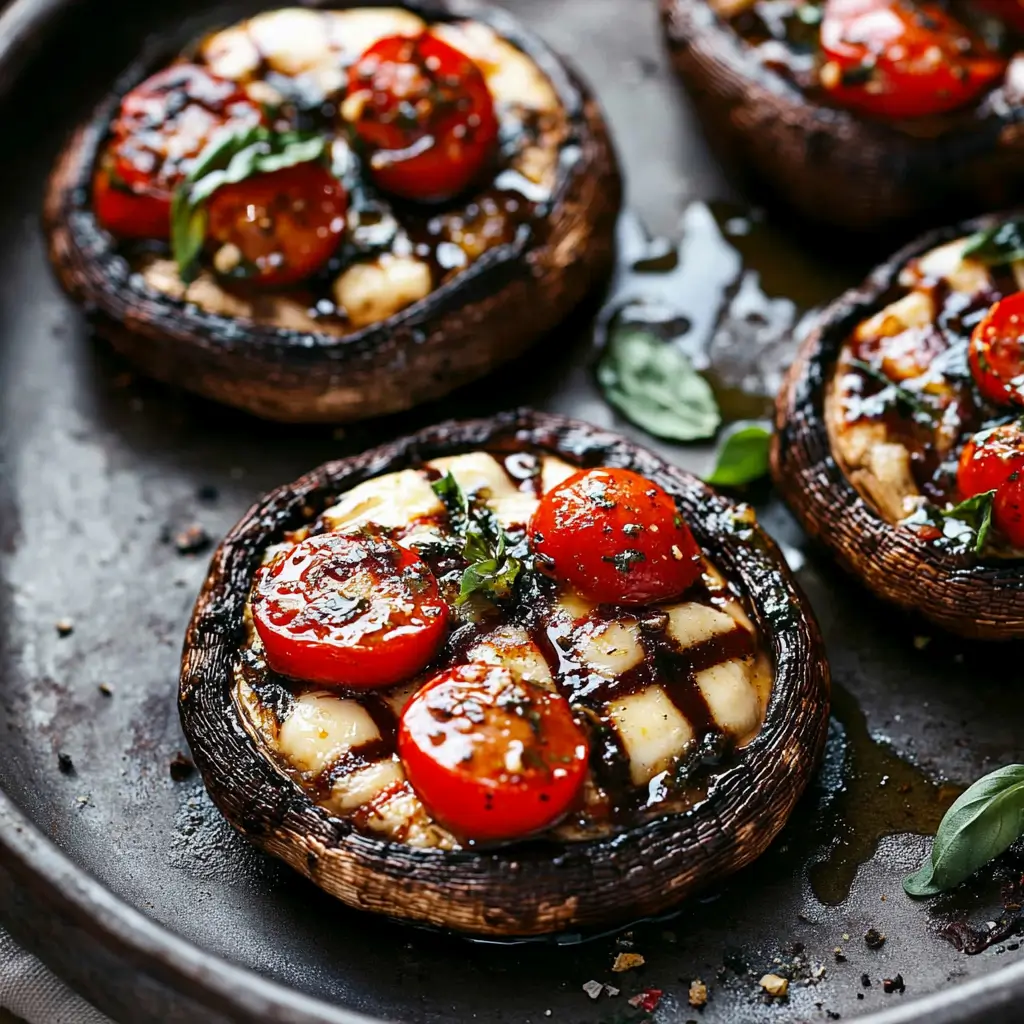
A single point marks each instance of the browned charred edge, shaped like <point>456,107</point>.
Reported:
<point>487,315</point>
<point>966,596</point>
<point>534,887</point>
<point>830,165</point>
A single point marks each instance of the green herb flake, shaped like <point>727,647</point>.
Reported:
<point>492,571</point>
<point>966,525</point>
<point>742,456</point>
<point>981,824</point>
<point>655,386</point>
<point>996,246</point>
<point>230,157</point>
<point>625,560</point>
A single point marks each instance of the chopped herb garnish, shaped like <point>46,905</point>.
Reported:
<point>742,458</point>
<point>967,525</point>
<point>492,571</point>
<point>625,560</point>
<point>1001,244</point>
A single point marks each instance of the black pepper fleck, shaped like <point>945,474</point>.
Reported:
<point>65,764</point>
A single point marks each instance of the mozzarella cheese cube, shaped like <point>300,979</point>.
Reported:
<point>320,728</point>
<point>391,501</point>
<point>731,697</point>
<point>653,732</point>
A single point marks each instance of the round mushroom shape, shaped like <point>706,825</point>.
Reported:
<point>975,596</point>
<point>273,359</point>
<point>829,164</point>
<point>534,886</point>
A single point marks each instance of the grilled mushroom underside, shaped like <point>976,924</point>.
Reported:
<point>827,163</point>
<point>981,598</point>
<point>485,315</point>
<point>539,886</point>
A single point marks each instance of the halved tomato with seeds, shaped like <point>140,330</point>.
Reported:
<point>490,756</point>
<point>616,537</point>
<point>423,113</point>
<point>997,352</point>
<point>163,124</point>
<point>994,461</point>
<point>353,611</point>
<point>897,59</point>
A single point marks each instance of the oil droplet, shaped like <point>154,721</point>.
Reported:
<point>874,793</point>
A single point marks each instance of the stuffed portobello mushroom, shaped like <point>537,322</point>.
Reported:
<point>860,113</point>
<point>324,215</point>
<point>505,677</point>
<point>900,437</point>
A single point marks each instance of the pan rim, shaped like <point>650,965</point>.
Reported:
<point>28,855</point>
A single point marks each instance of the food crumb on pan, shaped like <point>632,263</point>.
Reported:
<point>627,961</point>
<point>64,627</point>
<point>698,994</point>
<point>181,767</point>
<point>774,985</point>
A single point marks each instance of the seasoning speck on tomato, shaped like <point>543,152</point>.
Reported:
<point>994,461</point>
<point>163,124</point>
<point>490,756</point>
<point>423,116</point>
<point>350,611</point>
<point>997,352</point>
<point>616,537</point>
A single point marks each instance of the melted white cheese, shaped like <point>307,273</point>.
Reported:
<point>480,474</point>
<point>653,732</point>
<point>510,647</point>
<point>320,728</point>
<point>372,291</point>
<point>730,697</point>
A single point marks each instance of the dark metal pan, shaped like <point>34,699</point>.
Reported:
<point>127,882</point>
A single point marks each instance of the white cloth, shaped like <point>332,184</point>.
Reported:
<point>30,991</point>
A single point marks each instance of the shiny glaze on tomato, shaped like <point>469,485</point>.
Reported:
<point>283,226</point>
<point>994,461</point>
<point>616,537</point>
<point>997,352</point>
<point>162,125</point>
<point>348,611</point>
<point>492,758</point>
<point>898,59</point>
<point>423,117</point>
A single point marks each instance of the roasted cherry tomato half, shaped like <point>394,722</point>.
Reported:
<point>423,114</point>
<point>356,611</point>
<point>280,227</point>
<point>163,124</point>
<point>897,59</point>
<point>492,758</point>
<point>994,461</point>
<point>615,537</point>
<point>997,352</point>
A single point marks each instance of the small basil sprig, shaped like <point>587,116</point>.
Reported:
<point>230,157</point>
<point>967,525</point>
<point>743,457</point>
<point>1002,244</point>
<point>980,825</point>
<point>655,386</point>
<point>492,571</point>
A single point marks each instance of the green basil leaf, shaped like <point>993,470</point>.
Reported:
<point>1001,244</point>
<point>655,386</point>
<point>742,457</point>
<point>965,527</point>
<point>230,157</point>
<point>491,570</point>
<point>976,512</point>
<point>980,825</point>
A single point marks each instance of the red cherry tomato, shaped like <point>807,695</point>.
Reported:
<point>996,352</point>
<point>163,124</point>
<point>285,225</point>
<point>355,611</point>
<point>424,114</point>
<point>994,461</point>
<point>893,58</point>
<point>492,758</point>
<point>616,537</point>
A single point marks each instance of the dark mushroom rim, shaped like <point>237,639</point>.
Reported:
<point>808,473</point>
<point>992,112</point>
<point>715,832</point>
<point>486,276</point>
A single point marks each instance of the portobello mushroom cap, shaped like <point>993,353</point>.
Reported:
<point>829,164</point>
<point>487,314</point>
<point>983,599</point>
<point>534,886</point>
